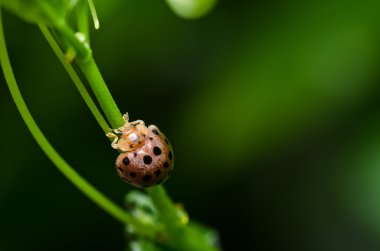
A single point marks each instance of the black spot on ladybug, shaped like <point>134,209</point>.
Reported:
<point>170,155</point>
<point>147,157</point>
<point>156,150</point>
<point>155,132</point>
<point>147,160</point>
<point>126,161</point>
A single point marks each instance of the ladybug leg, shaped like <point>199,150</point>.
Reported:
<point>114,143</point>
<point>126,120</point>
<point>118,131</point>
<point>137,122</point>
<point>126,117</point>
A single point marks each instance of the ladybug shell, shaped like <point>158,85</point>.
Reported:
<point>148,165</point>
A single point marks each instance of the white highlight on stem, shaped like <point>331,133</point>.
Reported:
<point>82,38</point>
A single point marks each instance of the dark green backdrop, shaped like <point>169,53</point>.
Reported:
<point>272,108</point>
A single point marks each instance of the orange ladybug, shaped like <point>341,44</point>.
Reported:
<point>147,156</point>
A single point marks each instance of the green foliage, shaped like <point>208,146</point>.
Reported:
<point>141,207</point>
<point>191,9</point>
<point>48,12</point>
<point>182,235</point>
<point>52,13</point>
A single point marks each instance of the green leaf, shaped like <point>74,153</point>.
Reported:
<point>142,208</point>
<point>48,12</point>
<point>191,9</point>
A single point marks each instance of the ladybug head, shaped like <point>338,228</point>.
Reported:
<point>132,136</point>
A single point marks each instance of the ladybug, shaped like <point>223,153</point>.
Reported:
<point>146,157</point>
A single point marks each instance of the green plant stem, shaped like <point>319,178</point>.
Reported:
<point>91,192</point>
<point>181,236</point>
<point>94,15</point>
<point>166,207</point>
<point>102,94</point>
<point>82,51</point>
<point>77,81</point>
<point>82,18</point>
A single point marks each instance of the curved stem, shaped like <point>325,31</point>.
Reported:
<point>77,81</point>
<point>91,192</point>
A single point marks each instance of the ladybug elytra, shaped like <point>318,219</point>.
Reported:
<point>146,157</point>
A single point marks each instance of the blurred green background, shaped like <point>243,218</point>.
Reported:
<point>273,109</point>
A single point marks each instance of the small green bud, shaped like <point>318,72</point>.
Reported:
<point>191,9</point>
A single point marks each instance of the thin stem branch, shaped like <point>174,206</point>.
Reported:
<point>91,192</point>
<point>77,81</point>
<point>93,14</point>
<point>100,89</point>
